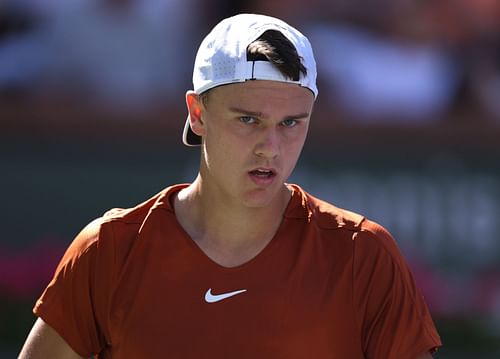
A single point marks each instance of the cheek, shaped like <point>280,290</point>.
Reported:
<point>294,140</point>
<point>292,150</point>
<point>221,154</point>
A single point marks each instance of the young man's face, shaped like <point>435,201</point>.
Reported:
<point>253,134</point>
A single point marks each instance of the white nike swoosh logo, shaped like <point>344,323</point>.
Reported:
<point>212,298</point>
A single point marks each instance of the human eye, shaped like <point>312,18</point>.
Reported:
<point>248,120</point>
<point>289,123</point>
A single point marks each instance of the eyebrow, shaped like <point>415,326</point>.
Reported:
<point>262,115</point>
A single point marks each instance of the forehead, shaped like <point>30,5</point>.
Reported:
<point>263,93</point>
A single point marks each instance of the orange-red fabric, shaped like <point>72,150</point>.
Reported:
<point>330,284</point>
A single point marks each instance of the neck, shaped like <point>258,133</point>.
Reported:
<point>228,232</point>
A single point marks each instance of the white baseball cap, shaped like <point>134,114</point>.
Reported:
<point>222,58</point>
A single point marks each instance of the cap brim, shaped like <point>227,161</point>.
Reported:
<point>189,138</point>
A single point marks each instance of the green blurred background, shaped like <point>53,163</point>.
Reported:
<point>406,130</point>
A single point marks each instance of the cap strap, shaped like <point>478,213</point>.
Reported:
<point>264,70</point>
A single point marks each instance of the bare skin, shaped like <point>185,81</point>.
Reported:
<point>245,127</point>
<point>44,342</point>
<point>232,210</point>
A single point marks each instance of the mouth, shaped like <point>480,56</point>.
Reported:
<point>263,177</point>
<point>263,173</point>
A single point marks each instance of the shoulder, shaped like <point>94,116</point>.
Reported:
<point>137,214</point>
<point>328,216</point>
<point>118,224</point>
<point>361,230</point>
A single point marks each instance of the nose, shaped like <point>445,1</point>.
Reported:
<point>268,145</point>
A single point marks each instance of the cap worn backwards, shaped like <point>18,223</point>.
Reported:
<point>222,58</point>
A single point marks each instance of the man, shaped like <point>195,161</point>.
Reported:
<point>237,264</point>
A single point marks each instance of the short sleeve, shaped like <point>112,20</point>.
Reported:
<point>74,303</point>
<point>392,315</point>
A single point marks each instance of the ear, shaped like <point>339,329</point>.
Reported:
<point>194,107</point>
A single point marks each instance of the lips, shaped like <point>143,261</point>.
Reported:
<point>263,173</point>
<point>262,176</point>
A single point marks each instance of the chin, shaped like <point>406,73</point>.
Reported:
<point>262,197</point>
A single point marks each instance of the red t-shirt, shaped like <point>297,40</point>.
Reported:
<point>330,284</point>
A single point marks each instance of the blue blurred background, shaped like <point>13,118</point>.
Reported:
<point>406,130</point>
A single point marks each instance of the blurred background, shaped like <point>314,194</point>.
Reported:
<point>406,130</point>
